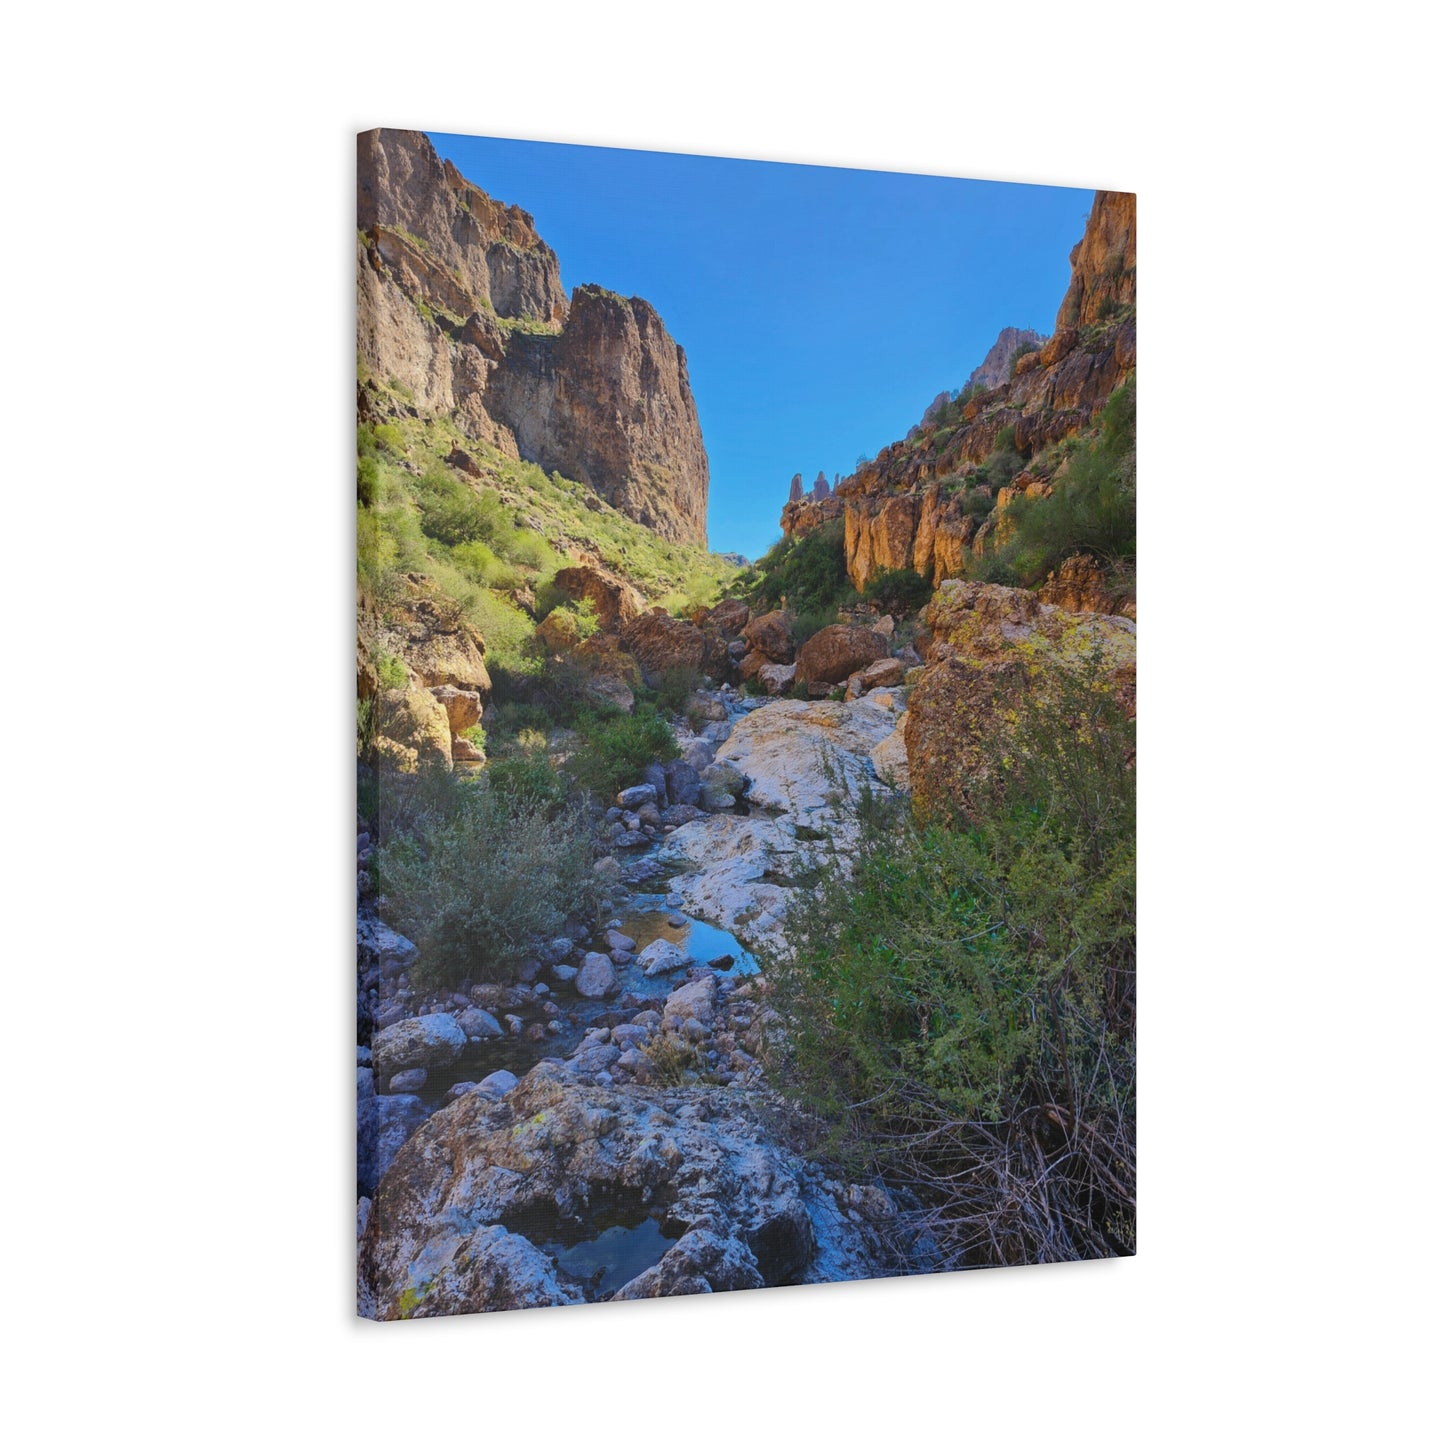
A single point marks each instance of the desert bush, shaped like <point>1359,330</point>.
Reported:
<point>959,1005</point>
<point>675,1062</point>
<point>899,591</point>
<point>529,778</point>
<point>614,747</point>
<point>472,874</point>
<point>1092,506</point>
<point>675,688</point>
<point>809,572</point>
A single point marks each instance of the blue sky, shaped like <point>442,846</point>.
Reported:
<point>821,310</point>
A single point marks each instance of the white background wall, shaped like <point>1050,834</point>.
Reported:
<point>177,305</point>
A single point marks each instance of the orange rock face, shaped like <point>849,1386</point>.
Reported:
<point>1079,586</point>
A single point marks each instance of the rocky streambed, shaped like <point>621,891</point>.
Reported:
<point>603,1127</point>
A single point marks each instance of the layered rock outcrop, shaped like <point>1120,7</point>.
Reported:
<point>460,303</point>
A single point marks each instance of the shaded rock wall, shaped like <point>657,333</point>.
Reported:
<point>461,302</point>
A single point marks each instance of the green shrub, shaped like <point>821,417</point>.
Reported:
<point>614,748</point>
<point>507,721</point>
<point>959,1005</point>
<point>529,779</point>
<point>473,874</point>
<point>389,436</point>
<point>976,503</point>
<point>810,572</point>
<point>390,670</point>
<point>812,620</point>
<point>1092,506</point>
<point>675,688</point>
<point>899,591</point>
<point>454,514</point>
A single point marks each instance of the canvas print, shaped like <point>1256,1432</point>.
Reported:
<point>745,748</point>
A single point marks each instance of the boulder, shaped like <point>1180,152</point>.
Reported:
<point>777,677</point>
<point>772,635</point>
<point>499,1084</point>
<point>831,655</point>
<point>558,630</point>
<point>597,977</point>
<point>886,672</point>
<point>730,616</point>
<point>682,782</point>
<point>477,1023</point>
<point>409,1081</point>
<point>635,797</point>
<point>1079,585</point>
<point>416,1043</point>
<point>463,462</point>
<point>701,1262</point>
<point>613,600</point>
<point>722,785</point>
<point>751,664</point>
<point>992,646</point>
<point>463,708</point>
<point>383,1124</point>
<point>557,1148</point>
<point>662,956</point>
<point>416,723</point>
<point>466,751</point>
<point>695,1000</point>
<point>661,643</point>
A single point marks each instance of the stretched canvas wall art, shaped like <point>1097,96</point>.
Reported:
<point>745,750</point>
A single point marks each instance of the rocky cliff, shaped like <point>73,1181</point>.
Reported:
<point>460,302</point>
<point>997,366</point>
<point>931,500</point>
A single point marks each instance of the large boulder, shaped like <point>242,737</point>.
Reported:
<point>438,645</point>
<point>831,655</point>
<point>1080,585</point>
<point>662,956</point>
<point>886,672</point>
<point>991,647</point>
<point>597,977</point>
<point>772,635</point>
<point>777,677</point>
<point>463,708</point>
<point>419,1043</point>
<point>730,616</point>
<point>684,785</point>
<point>416,726</point>
<point>695,1000</point>
<point>661,643</point>
<point>613,600</point>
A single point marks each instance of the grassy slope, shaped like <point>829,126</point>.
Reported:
<point>529,525</point>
